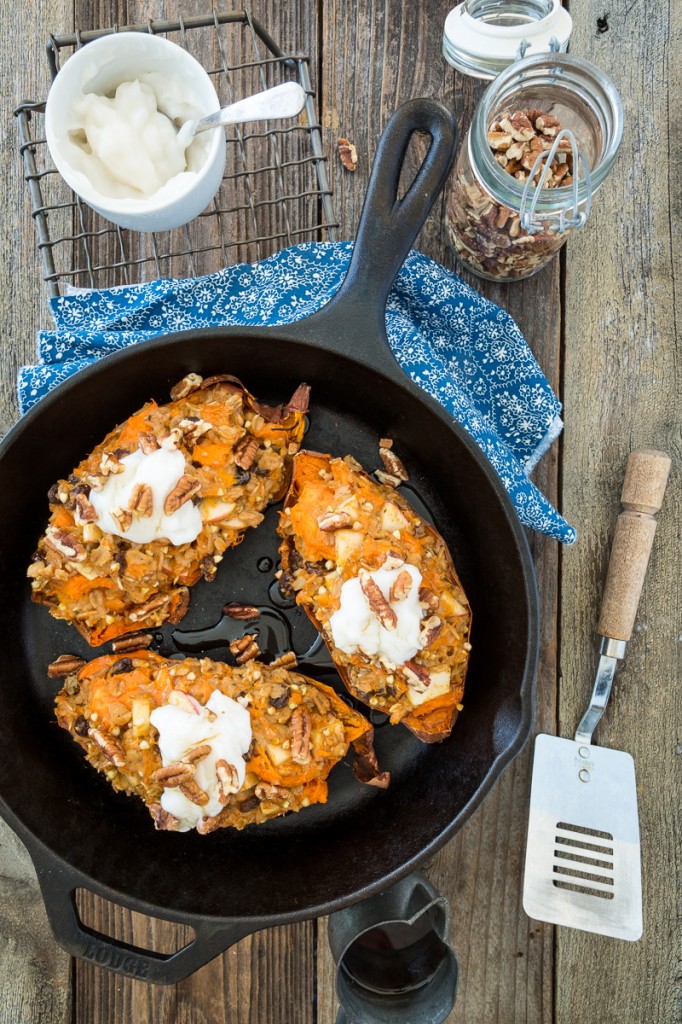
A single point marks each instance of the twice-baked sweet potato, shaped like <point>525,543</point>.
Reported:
<point>156,504</point>
<point>380,585</point>
<point>206,745</point>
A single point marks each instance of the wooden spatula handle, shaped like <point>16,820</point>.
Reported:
<point>646,476</point>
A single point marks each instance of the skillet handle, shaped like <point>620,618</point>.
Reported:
<point>389,224</point>
<point>58,886</point>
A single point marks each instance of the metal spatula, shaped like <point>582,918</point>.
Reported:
<point>583,855</point>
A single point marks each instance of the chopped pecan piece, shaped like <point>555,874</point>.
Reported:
<point>193,428</point>
<point>319,699</point>
<point>86,510</point>
<point>163,820</point>
<point>245,452</point>
<point>241,611</point>
<point>387,478</point>
<point>65,544</point>
<point>65,665</point>
<point>205,826</point>
<point>147,442</point>
<point>331,521</point>
<point>123,518</point>
<point>348,154</point>
<point>228,780</point>
<point>275,794</point>
<point>182,604</point>
<point>141,501</point>
<point>110,464</point>
<point>377,602</point>
<point>301,726</point>
<point>109,745</point>
<point>401,586</point>
<point>171,440</point>
<point>428,598</point>
<point>186,386</point>
<point>186,488</point>
<point>429,631</point>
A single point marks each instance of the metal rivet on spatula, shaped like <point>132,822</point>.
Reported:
<point>584,752</point>
<point>584,775</point>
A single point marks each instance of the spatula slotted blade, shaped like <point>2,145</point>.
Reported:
<point>583,854</point>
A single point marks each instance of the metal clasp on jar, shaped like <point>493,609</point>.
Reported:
<point>564,221</point>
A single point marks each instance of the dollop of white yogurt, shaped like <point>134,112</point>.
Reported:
<point>127,147</point>
<point>162,470</point>
<point>355,627</point>
<point>229,735</point>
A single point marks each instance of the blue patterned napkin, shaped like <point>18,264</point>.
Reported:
<point>466,352</point>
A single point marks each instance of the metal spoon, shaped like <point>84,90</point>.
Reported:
<point>285,100</point>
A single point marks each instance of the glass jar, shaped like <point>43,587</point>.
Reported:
<point>543,139</point>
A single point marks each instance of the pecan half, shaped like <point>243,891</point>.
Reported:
<point>377,602</point>
<point>393,464</point>
<point>251,652</point>
<point>245,452</point>
<point>286,660</point>
<point>193,792</point>
<point>301,726</point>
<point>348,154</point>
<point>186,488</point>
<point>142,610</point>
<point>197,753</point>
<point>134,642</point>
<point>241,611</point>
<point>186,386</point>
<point>300,400</point>
<point>141,501</point>
<point>170,776</point>
<point>228,780</point>
<point>241,643</point>
<point>401,586</point>
<point>109,745</point>
<point>331,521</point>
<point>65,665</point>
<point>147,442</point>
<point>163,820</point>
<point>65,544</point>
<point>428,598</point>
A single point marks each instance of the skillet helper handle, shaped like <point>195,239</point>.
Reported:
<point>646,476</point>
<point>58,887</point>
<point>389,223</point>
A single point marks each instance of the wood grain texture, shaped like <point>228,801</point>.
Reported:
<point>384,54</point>
<point>622,388</point>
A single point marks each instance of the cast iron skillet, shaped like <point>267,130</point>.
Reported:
<point>225,885</point>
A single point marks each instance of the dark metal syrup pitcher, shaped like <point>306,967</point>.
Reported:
<point>393,961</point>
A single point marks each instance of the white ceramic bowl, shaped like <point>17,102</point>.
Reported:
<point>99,67</point>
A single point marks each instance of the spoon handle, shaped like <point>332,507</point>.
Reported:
<point>284,100</point>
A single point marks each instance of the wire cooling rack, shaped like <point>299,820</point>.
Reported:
<point>275,191</point>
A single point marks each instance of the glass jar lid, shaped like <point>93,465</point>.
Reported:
<point>483,37</point>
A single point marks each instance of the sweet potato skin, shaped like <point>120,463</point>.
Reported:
<point>322,486</point>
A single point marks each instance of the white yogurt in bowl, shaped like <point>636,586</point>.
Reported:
<point>111,123</point>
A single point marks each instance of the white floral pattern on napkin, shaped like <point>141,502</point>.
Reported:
<point>465,351</point>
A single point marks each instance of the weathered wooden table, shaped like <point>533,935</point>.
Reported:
<point>602,322</point>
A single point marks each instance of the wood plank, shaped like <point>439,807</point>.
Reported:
<point>34,972</point>
<point>384,54</point>
<point>622,386</point>
<point>266,977</point>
